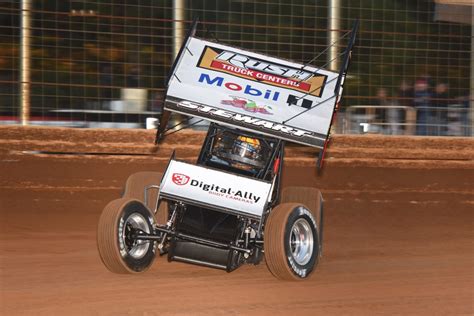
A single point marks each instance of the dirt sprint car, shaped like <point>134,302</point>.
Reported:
<point>229,209</point>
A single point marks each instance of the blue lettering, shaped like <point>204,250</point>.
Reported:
<point>249,90</point>
<point>253,91</point>
<point>209,81</point>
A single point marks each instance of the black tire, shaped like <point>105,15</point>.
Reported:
<point>286,258</point>
<point>119,253</point>
<point>135,189</point>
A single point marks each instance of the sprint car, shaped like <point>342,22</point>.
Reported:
<point>229,208</point>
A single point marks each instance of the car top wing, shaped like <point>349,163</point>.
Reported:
<point>252,91</point>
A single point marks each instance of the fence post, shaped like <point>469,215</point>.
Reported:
<point>25,61</point>
<point>334,26</point>
<point>178,26</point>
<point>410,120</point>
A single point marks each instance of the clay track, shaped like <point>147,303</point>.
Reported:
<point>398,235</point>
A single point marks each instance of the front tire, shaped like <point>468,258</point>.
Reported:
<point>291,242</point>
<point>119,252</point>
<point>135,189</point>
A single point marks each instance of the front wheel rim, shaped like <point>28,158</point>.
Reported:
<point>137,249</point>
<point>301,241</point>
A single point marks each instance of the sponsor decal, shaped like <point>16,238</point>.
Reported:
<point>252,91</point>
<point>304,211</point>
<point>247,89</point>
<point>180,179</point>
<point>224,192</point>
<point>260,70</point>
<point>240,118</point>
<point>301,102</point>
<point>299,271</point>
<point>247,105</point>
<point>121,232</point>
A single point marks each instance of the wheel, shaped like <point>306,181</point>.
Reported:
<point>308,196</point>
<point>135,189</point>
<point>118,251</point>
<point>291,242</point>
<point>312,198</point>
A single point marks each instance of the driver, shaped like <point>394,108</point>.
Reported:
<point>241,152</point>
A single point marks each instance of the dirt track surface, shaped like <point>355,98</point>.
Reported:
<point>398,231</point>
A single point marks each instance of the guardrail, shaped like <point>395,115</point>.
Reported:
<point>452,120</point>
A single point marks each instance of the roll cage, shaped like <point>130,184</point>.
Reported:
<point>271,171</point>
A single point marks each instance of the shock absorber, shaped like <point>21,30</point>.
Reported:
<point>169,224</point>
<point>247,232</point>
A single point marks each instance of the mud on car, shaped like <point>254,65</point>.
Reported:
<point>229,208</point>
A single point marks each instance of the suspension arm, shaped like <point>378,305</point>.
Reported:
<point>144,236</point>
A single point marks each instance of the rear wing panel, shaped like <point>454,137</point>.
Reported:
<point>246,122</point>
<point>255,92</point>
<point>287,100</point>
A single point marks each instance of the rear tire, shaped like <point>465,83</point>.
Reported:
<point>312,198</point>
<point>135,189</point>
<point>308,196</point>
<point>118,251</point>
<point>291,242</point>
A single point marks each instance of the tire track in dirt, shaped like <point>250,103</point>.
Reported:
<point>398,238</point>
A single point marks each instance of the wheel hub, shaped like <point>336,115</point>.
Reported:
<point>134,224</point>
<point>301,241</point>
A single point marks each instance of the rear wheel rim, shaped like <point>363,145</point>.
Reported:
<point>133,247</point>
<point>301,241</point>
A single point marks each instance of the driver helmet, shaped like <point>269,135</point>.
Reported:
<point>246,147</point>
<point>239,151</point>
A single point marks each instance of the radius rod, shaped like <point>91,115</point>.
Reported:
<point>144,236</point>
